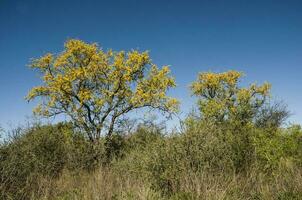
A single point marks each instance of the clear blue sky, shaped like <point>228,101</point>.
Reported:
<point>259,37</point>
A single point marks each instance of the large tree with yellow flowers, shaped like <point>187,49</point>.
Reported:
<point>221,98</point>
<point>95,87</point>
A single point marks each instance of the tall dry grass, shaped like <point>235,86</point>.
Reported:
<point>105,184</point>
<point>102,184</point>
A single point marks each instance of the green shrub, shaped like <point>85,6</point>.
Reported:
<point>271,148</point>
<point>203,161</point>
<point>142,138</point>
<point>165,161</point>
<point>37,152</point>
<point>82,155</point>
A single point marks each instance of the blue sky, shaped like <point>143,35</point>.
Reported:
<point>261,38</point>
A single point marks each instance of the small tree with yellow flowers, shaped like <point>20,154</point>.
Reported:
<point>95,88</point>
<point>222,100</point>
<point>233,110</point>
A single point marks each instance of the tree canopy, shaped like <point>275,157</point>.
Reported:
<point>95,87</point>
<point>222,99</point>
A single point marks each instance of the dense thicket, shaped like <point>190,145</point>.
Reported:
<point>202,161</point>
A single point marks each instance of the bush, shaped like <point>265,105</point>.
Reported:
<point>165,161</point>
<point>83,155</point>
<point>203,161</point>
<point>271,149</point>
<point>179,164</point>
<point>33,153</point>
<point>143,137</point>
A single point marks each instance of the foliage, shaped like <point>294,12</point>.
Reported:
<point>221,99</point>
<point>38,151</point>
<point>285,145</point>
<point>82,155</point>
<point>272,116</point>
<point>145,134</point>
<point>201,162</point>
<point>205,162</point>
<point>94,88</point>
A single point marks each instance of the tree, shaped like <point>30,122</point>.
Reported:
<point>95,88</point>
<point>272,116</point>
<point>222,100</point>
